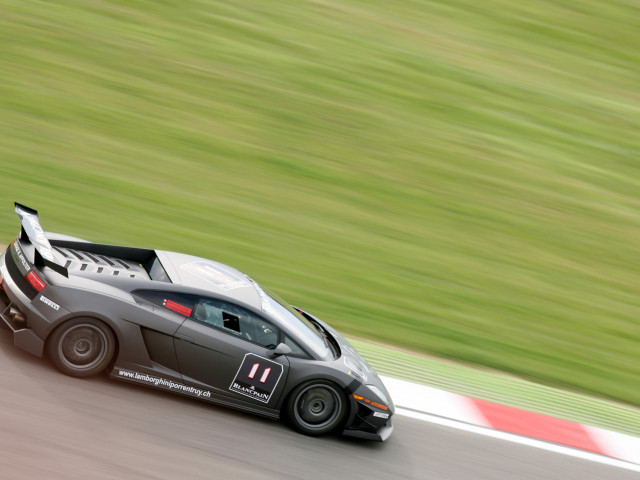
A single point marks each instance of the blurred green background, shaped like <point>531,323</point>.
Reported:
<point>454,178</point>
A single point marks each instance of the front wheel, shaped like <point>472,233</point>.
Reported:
<point>81,347</point>
<point>316,408</point>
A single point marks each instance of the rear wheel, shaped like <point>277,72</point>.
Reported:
<point>316,408</point>
<point>81,347</point>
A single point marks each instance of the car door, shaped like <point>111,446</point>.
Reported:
<point>224,348</point>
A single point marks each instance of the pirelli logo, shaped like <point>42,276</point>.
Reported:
<point>49,303</point>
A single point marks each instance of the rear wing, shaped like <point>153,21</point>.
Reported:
<point>33,233</point>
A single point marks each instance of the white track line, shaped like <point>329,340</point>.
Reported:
<point>442,408</point>
<point>510,437</point>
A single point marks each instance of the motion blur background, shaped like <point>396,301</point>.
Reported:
<point>450,177</point>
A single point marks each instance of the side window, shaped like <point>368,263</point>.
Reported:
<point>236,320</point>
<point>178,302</point>
<point>295,348</point>
<point>209,311</point>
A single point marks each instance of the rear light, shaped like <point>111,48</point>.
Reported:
<point>1,282</point>
<point>35,281</point>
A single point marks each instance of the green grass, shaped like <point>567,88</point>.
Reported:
<point>450,177</point>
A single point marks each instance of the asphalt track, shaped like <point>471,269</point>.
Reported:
<point>57,427</point>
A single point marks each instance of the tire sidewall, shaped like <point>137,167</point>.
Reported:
<point>58,335</point>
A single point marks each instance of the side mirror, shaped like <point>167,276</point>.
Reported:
<point>281,349</point>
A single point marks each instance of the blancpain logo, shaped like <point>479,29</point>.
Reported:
<point>50,303</point>
<point>250,392</point>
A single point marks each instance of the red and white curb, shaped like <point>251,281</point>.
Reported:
<point>413,399</point>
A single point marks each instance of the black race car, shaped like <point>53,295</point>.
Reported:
<point>188,325</point>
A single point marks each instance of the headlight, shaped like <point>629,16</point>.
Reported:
<point>355,369</point>
<point>379,393</point>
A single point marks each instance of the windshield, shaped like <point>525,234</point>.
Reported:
<point>290,319</point>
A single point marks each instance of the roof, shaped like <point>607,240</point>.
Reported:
<point>210,275</point>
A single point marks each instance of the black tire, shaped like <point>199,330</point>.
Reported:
<point>316,408</point>
<point>81,347</point>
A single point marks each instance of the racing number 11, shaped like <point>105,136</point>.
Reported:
<point>257,377</point>
<point>254,370</point>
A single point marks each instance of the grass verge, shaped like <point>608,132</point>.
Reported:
<point>502,389</point>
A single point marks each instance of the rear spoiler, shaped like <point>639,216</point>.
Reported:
<point>33,233</point>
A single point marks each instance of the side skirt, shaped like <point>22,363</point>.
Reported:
<point>162,382</point>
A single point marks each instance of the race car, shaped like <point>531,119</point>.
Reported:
<point>188,325</point>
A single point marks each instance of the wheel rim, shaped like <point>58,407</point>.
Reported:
<point>83,347</point>
<point>317,407</point>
